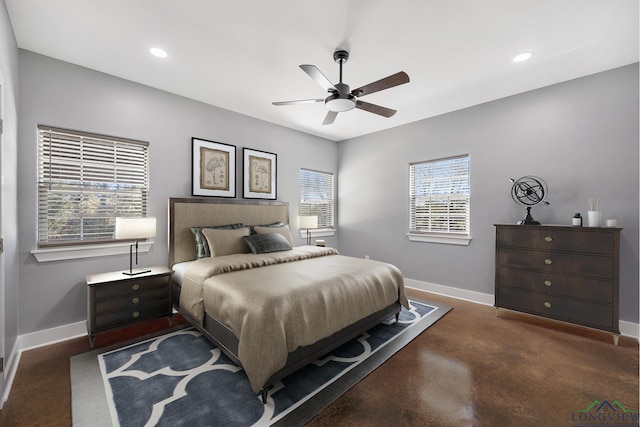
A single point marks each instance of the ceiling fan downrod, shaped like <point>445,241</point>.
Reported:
<point>340,100</point>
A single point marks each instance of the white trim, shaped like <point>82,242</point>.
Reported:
<point>87,251</point>
<point>449,240</point>
<point>627,329</point>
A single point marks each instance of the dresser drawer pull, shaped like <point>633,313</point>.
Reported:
<point>547,283</point>
<point>548,261</point>
<point>135,314</point>
<point>135,287</point>
<point>548,239</point>
<point>547,304</point>
<point>135,300</point>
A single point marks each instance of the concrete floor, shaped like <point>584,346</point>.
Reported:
<point>470,369</point>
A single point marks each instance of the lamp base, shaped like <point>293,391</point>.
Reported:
<point>135,272</point>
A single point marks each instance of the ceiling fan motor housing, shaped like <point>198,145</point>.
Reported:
<point>341,100</point>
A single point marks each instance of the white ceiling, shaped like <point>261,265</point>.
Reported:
<point>242,55</point>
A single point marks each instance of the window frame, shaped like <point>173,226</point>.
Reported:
<point>63,156</point>
<point>439,236</point>
<point>323,229</point>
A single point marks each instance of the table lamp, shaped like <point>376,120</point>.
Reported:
<point>135,228</point>
<point>307,222</point>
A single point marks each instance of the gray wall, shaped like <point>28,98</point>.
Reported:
<point>580,136</point>
<point>9,170</point>
<point>61,94</point>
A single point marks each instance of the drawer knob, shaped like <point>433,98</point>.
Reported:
<point>548,239</point>
<point>547,282</point>
<point>135,314</point>
<point>135,287</point>
<point>547,304</point>
<point>548,261</point>
<point>135,300</point>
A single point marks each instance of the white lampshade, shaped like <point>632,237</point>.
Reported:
<point>307,222</point>
<point>135,227</point>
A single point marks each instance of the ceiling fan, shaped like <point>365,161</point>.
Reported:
<point>341,99</point>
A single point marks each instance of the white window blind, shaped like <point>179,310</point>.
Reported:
<point>84,182</point>
<point>316,196</point>
<point>439,196</point>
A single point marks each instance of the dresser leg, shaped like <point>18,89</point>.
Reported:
<point>616,337</point>
<point>92,340</point>
<point>170,321</point>
<point>496,308</point>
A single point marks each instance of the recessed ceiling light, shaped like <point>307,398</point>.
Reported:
<point>158,52</point>
<point>522,57</point>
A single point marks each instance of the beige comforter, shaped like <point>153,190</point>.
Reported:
<point>275,305</point>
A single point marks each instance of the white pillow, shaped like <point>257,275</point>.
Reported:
<point>284,230</point>
<point>226,242</point>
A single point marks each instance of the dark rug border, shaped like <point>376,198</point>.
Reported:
<point>100,413</point>
<point>325,397</point>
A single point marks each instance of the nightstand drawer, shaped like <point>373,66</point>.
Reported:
<point>556,284</point>
<point>125,317</point>
<point>131,286</point>
<point>557,262</point>
<point>567,309</point>
<point>131,301</point>
<point>596,242</point>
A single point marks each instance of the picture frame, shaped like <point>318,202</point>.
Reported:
<point>213,170</point>
<point>260,172</point>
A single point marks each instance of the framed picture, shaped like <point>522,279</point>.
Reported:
<point>259,172</point>
<point>213,172</point>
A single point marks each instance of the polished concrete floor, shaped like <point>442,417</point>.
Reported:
<point>469,369</point>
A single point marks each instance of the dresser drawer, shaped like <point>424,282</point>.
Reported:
<point>558,262</point>
<point>596,242</point>
<point>125,287</point>
<point>125,317</point>
<point>587,313</point>
<point>131,301</point>
<point>556,284</point>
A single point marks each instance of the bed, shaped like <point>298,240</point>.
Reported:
<point>270,306</point>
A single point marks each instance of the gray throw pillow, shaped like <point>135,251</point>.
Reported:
<point>265,243</point>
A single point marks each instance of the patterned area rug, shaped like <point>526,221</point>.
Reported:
<point>182,379</point>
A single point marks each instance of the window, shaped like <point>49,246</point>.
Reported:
<point>439,200</point>
<point>84,182</point>
<point>316,196</point>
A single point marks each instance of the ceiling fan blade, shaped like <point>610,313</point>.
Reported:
<point>320,78</point>
<point>382,84</point>
<point>330,117</point>
<point>302,101</point>
<point>375,109</point>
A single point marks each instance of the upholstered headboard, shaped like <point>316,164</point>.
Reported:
<point>197,212</point>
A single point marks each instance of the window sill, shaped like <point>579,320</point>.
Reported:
<point>445,239</point>
<point>325,232</point>
<point>88,251</point>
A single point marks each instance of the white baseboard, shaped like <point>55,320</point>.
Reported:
<point>627,329</point>
<point>10,370</point>
<point>52,336</point>
<point>35,340</point>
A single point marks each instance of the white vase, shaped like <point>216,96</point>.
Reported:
<point>594,218</point>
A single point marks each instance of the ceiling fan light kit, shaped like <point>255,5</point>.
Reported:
<point>341,98</point>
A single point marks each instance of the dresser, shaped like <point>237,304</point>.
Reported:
<point>115,300</point>
<point>560,272</point>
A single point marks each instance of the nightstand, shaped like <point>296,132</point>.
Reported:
<point>115,300</point>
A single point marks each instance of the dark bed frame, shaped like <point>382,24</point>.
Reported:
<point>184,213</point>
